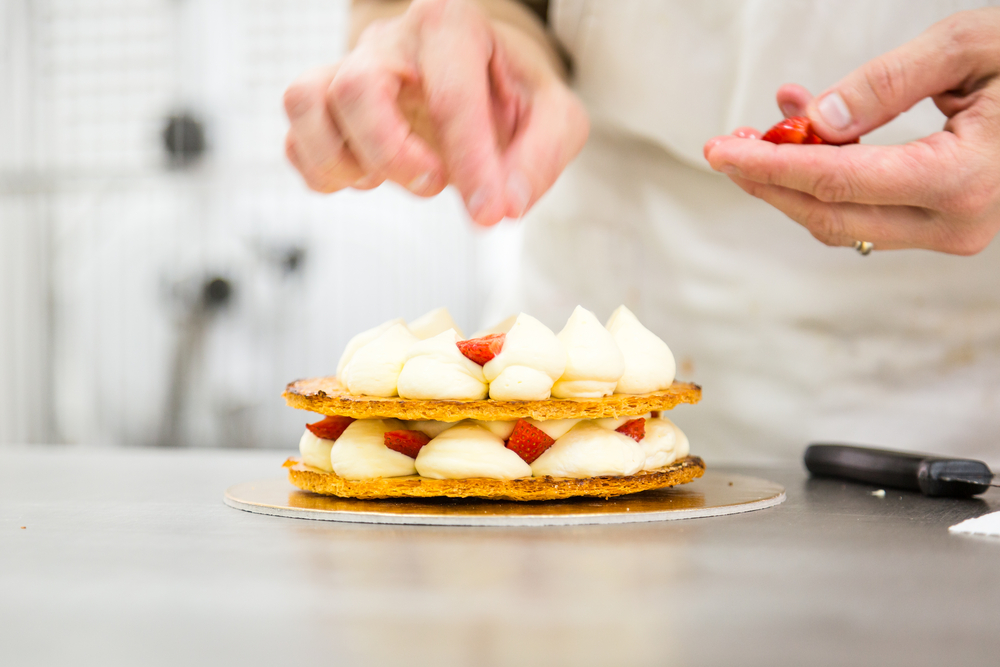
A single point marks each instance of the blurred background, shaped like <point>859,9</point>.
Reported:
<point>163,271</point>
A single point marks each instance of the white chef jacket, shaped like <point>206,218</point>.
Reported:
<point>791,340</point>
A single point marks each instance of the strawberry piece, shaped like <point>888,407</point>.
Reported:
<point>795,130</point>
<point>330,428</point>
<point>528,441</point>
<point>405,441</point>
<point>634,428</point>
<point>481,350</point>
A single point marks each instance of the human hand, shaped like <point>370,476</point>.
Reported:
<point>440,94</point>
<point>941,192</point>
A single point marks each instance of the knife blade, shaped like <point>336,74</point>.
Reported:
<point>929,474</point>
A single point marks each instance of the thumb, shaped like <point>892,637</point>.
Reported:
<point>883,88</point>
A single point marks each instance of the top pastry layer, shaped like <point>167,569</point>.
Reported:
<point>326,396</point>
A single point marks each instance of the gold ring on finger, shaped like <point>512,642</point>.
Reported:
<point>864,247</point>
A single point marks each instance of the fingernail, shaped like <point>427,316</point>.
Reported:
<point>712,143</point>
<point>478,200</point>
<point>420,183</point>
<point>787,110</point>
<point>731,170</point>
<point>834,111</point>
<point>518,193</point>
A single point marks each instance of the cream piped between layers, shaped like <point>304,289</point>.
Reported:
<point>469,450</point>
<point>360,451</point>
<point>582,448</point>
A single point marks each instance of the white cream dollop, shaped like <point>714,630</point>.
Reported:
<point>360,452</point>
<point>436,369</point>
<point>664,443</point>
<point>554,428</point>
<point>649,363</point>
<point>469,450</point>
<point>374,368</point>
<point>501,429</point>
<point>362,339</point>
<point>433,323</point>
<point>594,364</point>
<point>612,423</point>
<point>429,427</point>
<point>589,450</point>
<point>531,360</point>
<point>315,451</point>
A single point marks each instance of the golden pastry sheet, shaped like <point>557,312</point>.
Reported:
<point>312,479</point>
<point>327,397</point>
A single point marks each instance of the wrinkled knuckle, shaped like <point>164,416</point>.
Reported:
<point>832,187</point>
<point>886,78</point>
<point>957,34</point>
<point>825,224</point>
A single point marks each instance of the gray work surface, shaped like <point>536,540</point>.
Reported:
<point>130,557</point>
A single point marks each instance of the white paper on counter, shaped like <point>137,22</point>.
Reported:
<point>987,524</point>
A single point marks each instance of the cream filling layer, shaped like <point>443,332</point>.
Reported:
<point>360,452</point>
<point>468,450</point>
<point>664,443</point>
<point>589,450</point>
<point>472,448</point>
<point>315,451</point>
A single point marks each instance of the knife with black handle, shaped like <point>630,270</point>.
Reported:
<point>931,475</point>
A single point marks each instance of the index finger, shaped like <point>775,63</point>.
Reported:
<point>920,173</point>
<point>454,62</point>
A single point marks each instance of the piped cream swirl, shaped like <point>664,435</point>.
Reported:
<point>531,360</point>
<point>594,362</point>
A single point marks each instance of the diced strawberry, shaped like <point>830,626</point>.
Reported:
<point>634,428</point>
<point>528,441</point>
<point>795,130</point>
<point>481,350</point>
<point>330,428</point>
<point>405,441</point>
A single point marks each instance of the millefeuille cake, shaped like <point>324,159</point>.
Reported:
<point>516,412</point>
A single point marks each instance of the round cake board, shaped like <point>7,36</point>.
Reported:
<point>714,494</point>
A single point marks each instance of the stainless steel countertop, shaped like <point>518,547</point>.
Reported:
<point>129,557</point>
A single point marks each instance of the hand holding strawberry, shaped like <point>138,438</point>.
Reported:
<point>941,192</point>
